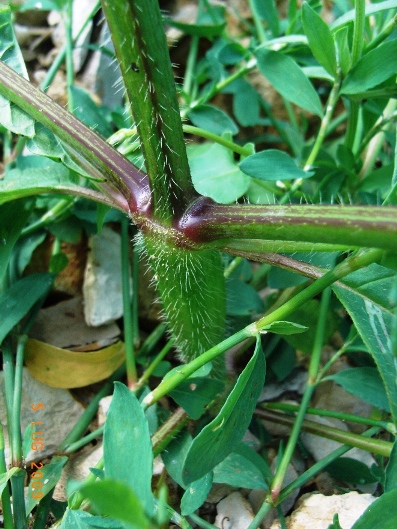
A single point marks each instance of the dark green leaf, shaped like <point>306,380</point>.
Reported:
<point>351,471</point>
<point>272,165</point>
<point>175,455</point>
<point>218,439</point>
<point>242,299</point>
<point>366,298</point>
<point>194,394</point>
<point>215,174</point>
<point>372,69</point>
<point>117,500</point>
<point>320,38</point>
<point>391,470</point>
<point>51,474</point>
<point>365,383</point>
<point>381,514</point>
<point>196,494</point>
<point>268,11</point>
<point>89,113</point>
<point>289,80</point>
<point>238,471</point>
<point>128,450</point>
<point>213,119</point>
<point>17,301</point>
<point>13,218</point>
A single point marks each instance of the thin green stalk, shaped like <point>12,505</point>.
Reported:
<point>282,406</point>
<point>329,110</point>
<point>190,129</point>
<point>200,522</point>
<point>135,298</point>
<point>152,340</point>
<point>386,31</point>
<point>232,266</point>
<point>132,376</point>
<point>9,381</point>
<point>169,430</point>
<point>54,214</point>
<point>260,30</point>
<point>73,447</point>
<point>16,446</point>
<point>5,495</point>
<point>350,264</point>
<point>358,42</point>
<point>149,370</point>
<point>68,22</point>
<point>309,388</point>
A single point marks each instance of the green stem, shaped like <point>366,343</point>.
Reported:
<point>387,30</point>
<point>350,264</point>
<point>243,151</point>
<point>169,430</point>
<point>76,445</point>
<point>18,499</point>
<point>68,22</point>
<point>307,395</point>
<point>16,446</point>
<point>260,30</point>
<point>5,496</point>
<point>9,381</point>
<point>149,370</point>
<point>200,522</point>
<point>282,406</point>
<point>54,214</point>
<point>132,376</point>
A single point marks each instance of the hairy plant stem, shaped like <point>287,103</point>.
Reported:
<point>350,264</point>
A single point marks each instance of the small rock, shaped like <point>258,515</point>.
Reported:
<point>234,512</point>
<point>317,511</point>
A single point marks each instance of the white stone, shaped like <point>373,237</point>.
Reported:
<point>317,511</point>
<point>234,512</point>
<point>102,279</point>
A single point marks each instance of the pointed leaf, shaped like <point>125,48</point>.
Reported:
<point>127,447</point>
<point>372,69</point>
<point>272,165</point>
<point>218,439</point>
<point>391,470</point>
<point>4,478</point>
<point>50,477</point>
<point>74,519</point>
<point>212,119</point>
<point>196,494</point>
<point>12,117</point>
<point>194,394</point>
<point>17,301</point>
<point>365,295</point>
<point>320,38</point>
<point>285,327</point>
<point>289,80</point>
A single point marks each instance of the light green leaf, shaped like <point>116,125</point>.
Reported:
<point>74,519</point>
<point>128,450</point>
<point>381,514</point>
<point>195,393</point>
<point>272,165</point>
<point>365,383</point>
<point>117,500</point>
<point>289,80</point>
<point>342,44</point>
<point>372,69</point>
<point>50,477</point>
<point>196,494</point>
<point>320,38</point>
<point>11,116</point>
<point>213,119</point>
<point>366,298</point>
<point>17,301</point>
<point>219,438</point>
<point>285,327</point>
<point>268,11</point>
<point>4,478</point>
<point>215,174</point>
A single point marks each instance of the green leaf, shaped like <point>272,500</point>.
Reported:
<point>268,11</point>
<point>215,174</point>
<point>83,520</point>
<point>246,114</point>
<point>50,477</point>
<point>88,112</point>
<point>365,296</point>
<point>365,383</point>
<point>11,116</point>
<point>209,25</point>
<point>285,327</point>
<point>320,39</point>
<point>117,500</point>
<point>239,469</point>
<point>127,447</point>
<point>372,69</point>
<point>175,455</point>
<point>272,165</point>
<point>391,470</point>
<point>213,119</point>
<point>219,438</point>
<point>13,218</point>
<point>194,394</point>
<point>351,471</point>
<point>342,44</point>
<point>242,299</point>
<point>289,80</point>
<point>4,478</point>
<point>17,301</point>
<point>381,514</point>
<point>196,494</point>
